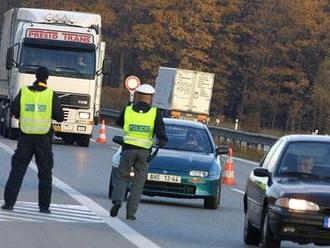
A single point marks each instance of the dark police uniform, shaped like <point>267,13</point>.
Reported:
<point>35,106</point>
<point>140,122</point>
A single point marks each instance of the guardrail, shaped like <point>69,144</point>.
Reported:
<point>244,138</point>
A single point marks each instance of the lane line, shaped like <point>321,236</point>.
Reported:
<point>119,226</point>
<point>237,190</point>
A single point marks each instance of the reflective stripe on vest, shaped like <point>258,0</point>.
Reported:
<point>139,127</point>
<point>36,111</point>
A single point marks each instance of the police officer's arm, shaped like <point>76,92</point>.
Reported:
<point>57,111</point>
<point>160,129</point>
<point>15,107</point>
<point>120,119</point>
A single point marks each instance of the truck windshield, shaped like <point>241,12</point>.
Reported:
<point>76,63</point>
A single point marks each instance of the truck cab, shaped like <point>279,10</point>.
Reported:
<point>69,44</point>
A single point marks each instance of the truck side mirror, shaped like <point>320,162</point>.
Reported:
<point>10,58</point>
<point>106,67</point>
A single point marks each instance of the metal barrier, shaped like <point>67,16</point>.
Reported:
<point>244,138</point>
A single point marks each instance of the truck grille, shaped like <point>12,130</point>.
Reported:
<point>66,115</point>
<point>74,100</point>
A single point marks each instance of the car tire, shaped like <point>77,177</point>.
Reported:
<point>251,233</point>
<point>110,187</point>
<point>267,239</point>
<point>214,201</point>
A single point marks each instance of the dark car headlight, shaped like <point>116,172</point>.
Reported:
<point>197,173</point>
<point>297,204</point>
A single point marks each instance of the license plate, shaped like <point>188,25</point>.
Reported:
<point>326,222</point>
<point>164,178</point>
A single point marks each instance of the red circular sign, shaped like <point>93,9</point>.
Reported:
<point>132,82</point>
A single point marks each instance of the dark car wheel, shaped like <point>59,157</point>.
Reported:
<point>251,233</point>
<point>111,186</point>
<point>214,201</point>
<point>268,240</point>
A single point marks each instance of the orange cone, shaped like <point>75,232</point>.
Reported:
<point>229,177</point>
<point>102,138</point>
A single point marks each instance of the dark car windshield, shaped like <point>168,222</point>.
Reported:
<point>187,139</point>
<point>77,63</point>
<point>306,159</point>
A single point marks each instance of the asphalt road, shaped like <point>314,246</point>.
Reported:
<point>80,217</point>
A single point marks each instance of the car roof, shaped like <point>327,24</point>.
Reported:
<point>186,123</point>
<point>306,137</point>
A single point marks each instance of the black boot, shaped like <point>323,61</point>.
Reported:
<point>115,208</point>
<point>7,207</point>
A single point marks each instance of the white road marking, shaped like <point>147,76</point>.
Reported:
<point>237,190</point>
<point>115,223</point>
<point>247,161</point>
<point>64,214</point>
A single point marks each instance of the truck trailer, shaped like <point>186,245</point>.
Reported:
<point>69,44</point>
<point>184,94</point>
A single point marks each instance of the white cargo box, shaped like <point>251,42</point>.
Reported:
<point>183,90</point>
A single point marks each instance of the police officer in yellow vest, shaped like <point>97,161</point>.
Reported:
<point>35,107</point>
<point>140,122</point>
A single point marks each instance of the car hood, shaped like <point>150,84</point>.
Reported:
<point>316,190</point>
<point>182,161</point>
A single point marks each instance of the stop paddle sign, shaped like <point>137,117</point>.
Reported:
<point>131,83</point>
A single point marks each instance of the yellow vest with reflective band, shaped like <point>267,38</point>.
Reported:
<point>139,127</point>
<point>36,111</point>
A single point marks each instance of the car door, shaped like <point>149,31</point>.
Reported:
<point>257,186</point>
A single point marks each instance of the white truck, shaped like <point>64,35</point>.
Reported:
<point>184,94</point>
<point>70,45</point>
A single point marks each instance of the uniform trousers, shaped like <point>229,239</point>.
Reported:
<point>27,146</point>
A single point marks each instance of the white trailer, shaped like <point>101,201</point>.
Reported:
<point>70,45</point>
<point>185,94</point>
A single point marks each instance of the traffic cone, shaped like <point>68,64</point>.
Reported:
<point>102,138</point>
<point>229,177</point>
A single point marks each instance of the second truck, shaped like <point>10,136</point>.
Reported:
<point>70,45</point>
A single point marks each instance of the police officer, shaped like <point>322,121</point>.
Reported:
<point>140,122</point>
<point>35,107</point>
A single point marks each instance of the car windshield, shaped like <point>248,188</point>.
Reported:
<point>77,63</point>
<point>306,159</point>
<point>187,139</point>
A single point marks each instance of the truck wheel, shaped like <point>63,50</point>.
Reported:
<point>68,139</point>
<point>213,201</point>
<point>83,140</point>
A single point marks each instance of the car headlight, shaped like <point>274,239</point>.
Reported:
<point>297,204</point>
<point>196,173</point>
<point>84,115</point>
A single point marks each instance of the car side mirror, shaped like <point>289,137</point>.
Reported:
<point>10,58</point>
<point>118,140</point>
<point>222,150</point>
<point>261,172</point>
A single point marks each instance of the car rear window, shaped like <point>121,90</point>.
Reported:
<point>187,139</point>
<point>306,157</point>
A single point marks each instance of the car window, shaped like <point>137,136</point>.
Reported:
<point>275,157</point>
<point>269,155</point>
<point>187,139</point>
<point>306,158</point>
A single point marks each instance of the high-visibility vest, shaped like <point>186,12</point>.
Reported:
<point>139,127</point>
<point>36,111</point>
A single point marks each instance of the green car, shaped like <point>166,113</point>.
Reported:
<point>187,167</point>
